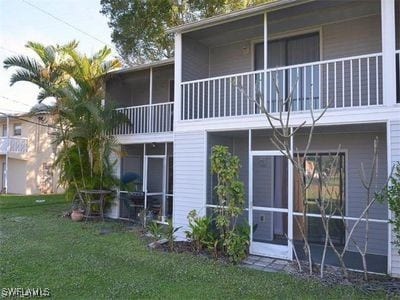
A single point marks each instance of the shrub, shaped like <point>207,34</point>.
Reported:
<point>169,233</point>
<point>201,232</point>
<point>391,194</point>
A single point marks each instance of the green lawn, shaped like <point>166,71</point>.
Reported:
<point>40,249</point>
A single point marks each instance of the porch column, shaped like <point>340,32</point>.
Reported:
<point>177,78</point>
<point>265,58</point>
<point>388,52</point>
<point>393,156</point>
<point>151,109</point>
<point>7,151</point>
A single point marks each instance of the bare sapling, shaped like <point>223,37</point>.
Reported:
<point>283,132</point>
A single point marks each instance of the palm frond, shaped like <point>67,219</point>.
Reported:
<point>25,75</point>
<point>24,62</point>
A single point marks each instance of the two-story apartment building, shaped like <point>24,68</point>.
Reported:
<point>341,54</point>
<point>145,95</point>
<point>27,155</point>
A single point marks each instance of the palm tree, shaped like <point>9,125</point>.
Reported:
<point>47,72</point>
<point>82,120</point>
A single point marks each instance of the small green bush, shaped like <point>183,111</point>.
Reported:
<point>201,232</point>
<point>391,194</point>
<point>221,231</point>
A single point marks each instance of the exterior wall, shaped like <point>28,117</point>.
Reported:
<point>397,12</point>
<point>133,88</point>
<point>38,173</point>
<point>394,134</point>
<point>351,38</point>
<point>231,59</point>
<point>17,169</point>
<point>189,177</point>
<point>129,89</point>
<point>195,64</point>
<point>347,29</point>
<point>359,150</point>
<point>161,83</point>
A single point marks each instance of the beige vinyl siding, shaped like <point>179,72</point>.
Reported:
<point>189,176</point>
<point>395,153</point>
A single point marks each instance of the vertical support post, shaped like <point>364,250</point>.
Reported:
<point>290,198</point>
<point>389,169</point>
<point>250,185</point>
<point>144,183</point>
<point>151,86</point>
<point>7,151</point>
<point>164,185</point>
<point>388,52</point>
<point>150,111</point>
<point>177,78</point>
<point>265,58</point>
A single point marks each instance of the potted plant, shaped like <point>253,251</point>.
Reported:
<point>78,211</point>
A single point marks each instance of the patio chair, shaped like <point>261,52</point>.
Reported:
<point>133,206</point>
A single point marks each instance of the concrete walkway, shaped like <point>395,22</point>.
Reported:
<point>267,264</point>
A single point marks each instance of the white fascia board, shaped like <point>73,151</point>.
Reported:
<point>144,138</point>
<point>361,115</point>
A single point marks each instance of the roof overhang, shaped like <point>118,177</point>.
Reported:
<point>239,14</point>
<point>135,68</point>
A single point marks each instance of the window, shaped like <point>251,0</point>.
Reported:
<point>17,129</point>
<point>325,175</point>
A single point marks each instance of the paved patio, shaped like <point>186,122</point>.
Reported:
<point>267,264</point>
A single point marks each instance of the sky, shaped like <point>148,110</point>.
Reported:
<point>21,22</point>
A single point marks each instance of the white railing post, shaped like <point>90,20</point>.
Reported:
<point>265,59</point>
<point>388,52</point>
<point>178,79</point>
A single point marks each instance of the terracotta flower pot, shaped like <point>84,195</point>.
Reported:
<point>77,215</point>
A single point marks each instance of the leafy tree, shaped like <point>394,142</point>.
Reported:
<point>139,26</point>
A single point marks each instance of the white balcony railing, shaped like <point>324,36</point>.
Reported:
<point>13,145</point>
<point>152,118</point>
<point>340,83</point>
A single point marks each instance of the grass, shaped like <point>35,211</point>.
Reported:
<point>40,249</point>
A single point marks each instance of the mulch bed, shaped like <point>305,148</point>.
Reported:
<point>332,275</point>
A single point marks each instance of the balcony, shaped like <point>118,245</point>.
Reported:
<point>147,119</point>
<point>344,83</point>
<point>13,145</point>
